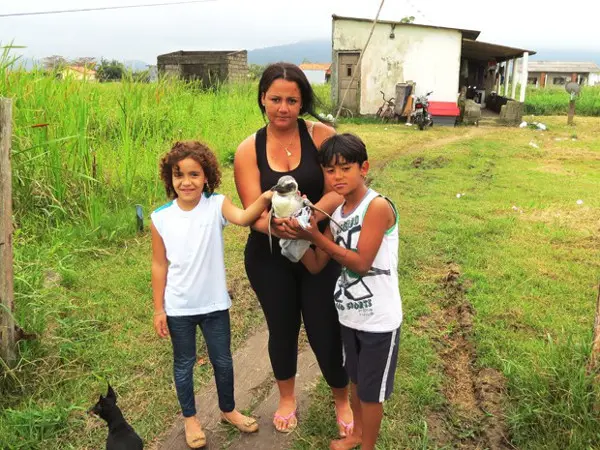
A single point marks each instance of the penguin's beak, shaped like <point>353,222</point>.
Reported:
<point>283,188</point>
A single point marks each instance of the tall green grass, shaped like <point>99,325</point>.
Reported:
<point>83,150</point>
<point>555,101</point>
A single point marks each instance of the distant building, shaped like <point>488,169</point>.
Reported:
<point>433,58</point>
<point>558,73</point>
<point>78,73</point>
<point>317,73</point>
<point>211,67</point>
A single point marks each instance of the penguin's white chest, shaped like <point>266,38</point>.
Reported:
<point>286,205</point>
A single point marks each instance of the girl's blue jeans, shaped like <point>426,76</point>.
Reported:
<point>216,330</point>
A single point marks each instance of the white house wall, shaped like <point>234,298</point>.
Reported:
<point>428,56</point>
<point>315,76</point>
<point>594,79</point>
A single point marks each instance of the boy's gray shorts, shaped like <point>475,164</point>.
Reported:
<point>370,360</point>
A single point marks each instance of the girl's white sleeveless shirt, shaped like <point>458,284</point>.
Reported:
<point>194,243</point>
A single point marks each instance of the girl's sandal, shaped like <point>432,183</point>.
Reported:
<point>195,440</point>
<point>247,425</point>
<point>291,422</point>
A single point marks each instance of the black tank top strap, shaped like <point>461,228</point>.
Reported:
<point>306,141</point>
<point>260,144</point>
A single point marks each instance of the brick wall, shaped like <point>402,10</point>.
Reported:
<point>210,67</point>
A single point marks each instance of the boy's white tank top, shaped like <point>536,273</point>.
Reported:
<point>194,242</point>
<point>371,302</point>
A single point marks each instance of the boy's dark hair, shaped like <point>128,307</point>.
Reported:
<point>289,72</point>
<point>199,153</point>
<point>346,145</point>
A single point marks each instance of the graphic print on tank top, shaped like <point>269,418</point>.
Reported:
<point>352,289</point>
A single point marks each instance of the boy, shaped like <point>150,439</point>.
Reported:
<point>366,294</point>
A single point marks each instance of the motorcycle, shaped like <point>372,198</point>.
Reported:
<point>421,114</point>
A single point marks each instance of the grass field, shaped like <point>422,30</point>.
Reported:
<point>529,273</point>
<point>502,279</point>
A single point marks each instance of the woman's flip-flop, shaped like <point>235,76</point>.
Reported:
<point>344,428</point>
<point>291,422</point>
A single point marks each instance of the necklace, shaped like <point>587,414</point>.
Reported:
<point>285,147</point>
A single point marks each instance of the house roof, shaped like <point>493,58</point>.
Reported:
<point>484,51</point>
<point>469,34</point>
<point>82,69</point>
<point>563,66</point>
<point>315,66</point>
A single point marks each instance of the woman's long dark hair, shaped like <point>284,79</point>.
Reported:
<point>290,72</point>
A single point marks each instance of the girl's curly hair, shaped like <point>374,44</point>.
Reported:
<point>199,153</point>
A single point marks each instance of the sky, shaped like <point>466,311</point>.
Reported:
<point>144,33</point>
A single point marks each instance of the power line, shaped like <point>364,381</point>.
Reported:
<point>359,61</point>
<point>40,13</point>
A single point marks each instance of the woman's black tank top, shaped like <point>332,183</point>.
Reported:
<point>308,174</point>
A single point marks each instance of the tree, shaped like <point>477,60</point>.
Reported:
<point>54,62</point>
<point>110,70</point>
<point>88,62</point>
<point>255,71</point>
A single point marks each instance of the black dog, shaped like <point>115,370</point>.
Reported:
<point>121,435</point>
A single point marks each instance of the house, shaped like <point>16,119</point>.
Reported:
<point>317,73</point>
<point>212,67</point>
<point>77,73</point>
<point>558,73</point>
<point>434,58</point>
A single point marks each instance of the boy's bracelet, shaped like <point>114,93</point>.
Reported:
<point>159,313</point>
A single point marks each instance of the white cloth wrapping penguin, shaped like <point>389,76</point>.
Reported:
<point>294,249</point>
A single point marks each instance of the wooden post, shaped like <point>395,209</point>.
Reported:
<point>595,355</point>
<point>7,324</point>
<point>571,110</point>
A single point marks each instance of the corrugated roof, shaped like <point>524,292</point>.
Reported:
<point>469,34</point>
<point>484,51</point>
<point>563,66</point>
<point>315,66</point>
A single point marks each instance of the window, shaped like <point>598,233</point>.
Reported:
<point>349,70</point>
<point>558,80</point>
<point>532,80</point>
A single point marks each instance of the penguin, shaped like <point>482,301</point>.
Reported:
<point>286,201</point>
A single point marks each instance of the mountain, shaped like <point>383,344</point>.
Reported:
<point>135,65</point>
<point>567,55</point>
<point>320,51</point>
<point>316,51</point>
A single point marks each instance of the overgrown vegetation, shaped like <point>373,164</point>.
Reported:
<point>555,101</point>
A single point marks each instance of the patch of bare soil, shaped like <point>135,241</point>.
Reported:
<point>473,417</point>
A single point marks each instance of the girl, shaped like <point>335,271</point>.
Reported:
<point>188,276</point>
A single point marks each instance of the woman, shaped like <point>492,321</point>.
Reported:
<point>288,145</point>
